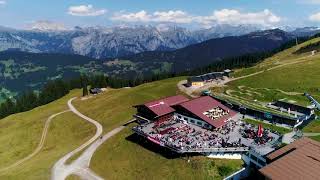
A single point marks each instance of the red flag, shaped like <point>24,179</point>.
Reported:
<point>260,130</point>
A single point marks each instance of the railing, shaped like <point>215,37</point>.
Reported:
<point>140,118</point>
<point>139,131</point>
<point>276,142</point>
<point>236,149</point>
<point>314,101</point>
<point>236,174</point>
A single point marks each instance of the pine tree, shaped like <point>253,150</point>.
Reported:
<point>84,90</point>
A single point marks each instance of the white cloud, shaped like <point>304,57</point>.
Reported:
<point>85,10</point>
<point>235,17</point>
<point>315,17</point>
<point>173,16</point>
<point>158,16</point>
<point>132,17</point>
<point>224,16</point>
<point>2,2</point>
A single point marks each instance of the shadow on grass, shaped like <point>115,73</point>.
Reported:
<point>163,151</point>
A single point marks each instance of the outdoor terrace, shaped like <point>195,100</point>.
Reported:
<point>235,136</point>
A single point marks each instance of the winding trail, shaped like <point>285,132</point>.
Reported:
<point>60,170</point>
<point>40,145</point>
<point>297,61</point>
<point>80,166</point>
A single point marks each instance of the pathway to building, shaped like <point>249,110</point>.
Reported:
<point>60,170</point>
<point>311,134</point>
<point>40,145</point>
<point>80,166</point>
<point>288,137</point>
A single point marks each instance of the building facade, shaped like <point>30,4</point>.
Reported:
<point>198,81</point>
<point>204,112</point>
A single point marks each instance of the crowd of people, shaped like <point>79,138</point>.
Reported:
<point>227,128</point>
<point>186,137</point>
<point>250,132</point>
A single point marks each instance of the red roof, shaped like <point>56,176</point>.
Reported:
<point>162,106</point>
<point>298,160</point>
<point>200,105</point>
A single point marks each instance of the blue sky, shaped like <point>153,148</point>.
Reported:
<point>193,13</point>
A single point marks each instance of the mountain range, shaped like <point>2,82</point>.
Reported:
<point>217,49</point>
<point>111,42</point>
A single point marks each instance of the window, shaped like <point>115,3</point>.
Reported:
<point>179,116</point>
<point>185,119</point>
<point>253,157</point>
<point>199,123</point>
<point>192,121</point>
<point>261,162</point>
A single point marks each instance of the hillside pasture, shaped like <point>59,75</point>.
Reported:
<point>288,82</point>
<point>20,135</point>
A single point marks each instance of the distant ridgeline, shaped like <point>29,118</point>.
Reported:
<point>55,89</point>
<point>246,60</point>
<point>215,50</point>
<point>311,46</point>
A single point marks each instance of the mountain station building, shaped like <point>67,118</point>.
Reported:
<point>204,112</point>
<point>201,80</point>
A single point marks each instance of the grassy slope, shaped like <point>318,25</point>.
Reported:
<point>73,177</point>
<point>294,78</point>
<point>277,59</point>
<point>123,159</point>
<point>20,134</point>
<point>313,127</point>
<point>317,138</point>
<point>301,77</point>
<point>114,107</point>
<point>119,158</point>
